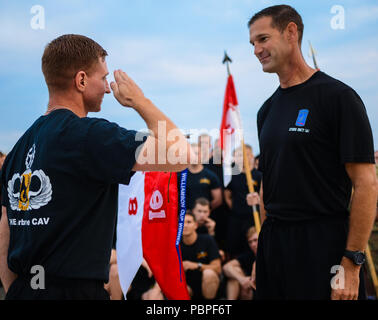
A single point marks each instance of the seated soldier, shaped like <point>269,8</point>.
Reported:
<point>238,271</point>
<point>201,211</point>
<point>201,261</point>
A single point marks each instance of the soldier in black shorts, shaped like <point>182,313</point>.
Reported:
<point>60,181</point>
<point>316,144</point>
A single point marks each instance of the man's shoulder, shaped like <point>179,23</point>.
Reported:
<point>264,109</point>
<point>208,173</point>
<point>330,86</point>
<point>97,123</point>
<point>207,239</point>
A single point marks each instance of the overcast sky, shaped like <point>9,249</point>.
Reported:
<point>174,51</point>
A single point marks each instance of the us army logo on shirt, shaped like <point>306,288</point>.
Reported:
<point>25,198</point>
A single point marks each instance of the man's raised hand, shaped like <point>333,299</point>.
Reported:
<point>125,90</point>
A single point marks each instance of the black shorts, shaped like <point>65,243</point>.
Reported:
<point>57,289</point>
<point>194,281</point>
<point>295,259</point>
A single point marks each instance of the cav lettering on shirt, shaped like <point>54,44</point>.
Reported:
<point>29,191</point>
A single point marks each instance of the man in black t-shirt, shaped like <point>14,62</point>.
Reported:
<point>219,214</point>
<point>201,211</point>
<point>201,183</point>
<point>239,270</point>
<point>315,145</point>
<point>241,217</point>
<point>60,181</point>
<point>201,261</point>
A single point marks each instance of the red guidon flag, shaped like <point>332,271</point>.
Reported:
<point>231,132</point>
<point>147,226</point>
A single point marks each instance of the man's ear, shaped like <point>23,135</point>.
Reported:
<point>292,32</point>
<point>81,81</point>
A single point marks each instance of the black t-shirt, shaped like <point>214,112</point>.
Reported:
<point>202,230</point>
<point>239,188</point>
<point>199,185</point>
<point>203,250</point>
<point>246,261</point>
<point>61,194</point>
<point>307,133</point>
<point>215,168</point>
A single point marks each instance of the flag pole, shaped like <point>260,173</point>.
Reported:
<point>312,52</point>
<point>227,60</point>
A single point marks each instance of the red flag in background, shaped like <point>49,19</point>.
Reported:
<point>159,233</point>
<point>231,129</point>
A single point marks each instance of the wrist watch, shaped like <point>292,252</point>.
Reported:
<point>199,266</point>
<point>358,257</point>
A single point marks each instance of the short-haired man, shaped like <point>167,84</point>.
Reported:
<point>201,261</point>
<point>241,216</point>
<point>315,143</point>
<point>201,182</point>
<point>205,145</point>
<point>239,270</point>
<point>201,211</point>
<point>60,201</point>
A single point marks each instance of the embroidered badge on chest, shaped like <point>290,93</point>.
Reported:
<point>302,117</point>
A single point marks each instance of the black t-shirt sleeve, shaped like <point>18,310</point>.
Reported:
<point>110,152</point>
<point>213,250</point>
<point>259,126</point>
<point>229,186</point>
<point>354,130</point>
<point>214,181</point>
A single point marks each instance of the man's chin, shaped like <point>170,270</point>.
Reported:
<point>95,109</point>
<point>268,68</point>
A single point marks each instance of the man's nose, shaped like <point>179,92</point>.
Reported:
<point>107,87</point>
<point>258,50</point>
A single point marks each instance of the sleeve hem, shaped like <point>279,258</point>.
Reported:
<point>363,159</point>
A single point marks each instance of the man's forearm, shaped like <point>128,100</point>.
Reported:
<point>215,203</point>
<point>233,271</point>
<point>166,135</point>
<point>6,276</point>
<point>362,216</point>
<point>152,115</point>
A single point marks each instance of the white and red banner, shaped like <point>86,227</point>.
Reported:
<point>147,227</point>
<point>231,133</point>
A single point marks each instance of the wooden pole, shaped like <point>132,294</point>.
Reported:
<point>373,273</point>
<point>251,188</point>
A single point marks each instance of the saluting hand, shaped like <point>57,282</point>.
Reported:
<point>125,90</point>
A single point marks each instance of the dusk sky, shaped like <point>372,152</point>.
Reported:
<point>174,50</point>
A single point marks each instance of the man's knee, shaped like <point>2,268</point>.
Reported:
<point>209,275</point>
<point>210,283</point>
